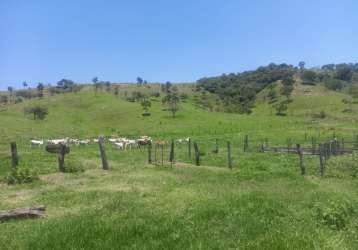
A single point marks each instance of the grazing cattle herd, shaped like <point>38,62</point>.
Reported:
<point>120,143</point>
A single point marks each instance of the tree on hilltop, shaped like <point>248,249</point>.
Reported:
<point>40,89</point>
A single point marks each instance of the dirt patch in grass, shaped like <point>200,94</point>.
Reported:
<point>17,199</point>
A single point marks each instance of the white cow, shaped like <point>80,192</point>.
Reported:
<point>129,143</point>
<point>37,142</point>
<point>84,142</point>
<point>120,145</point>
<point>57,141</point>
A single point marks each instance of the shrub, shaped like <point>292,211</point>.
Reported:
<point>334,84</point>
<point>155,94</point>
<point>73,167</point>
<point>320,115</point>
<point>130,99</point>
<point>18,100</point>
<point>281,108</point>
<point>309,77</point>
<point>20,176</point>
<point>184,96</point>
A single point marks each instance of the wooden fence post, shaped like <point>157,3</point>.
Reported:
<point>325,151</point>
<point>300,155</point>
<point>216,150</point>
<point>262,148</point>
<point>229,160</point>
<point>321,161</point>
<point>266,143</point>
<point>246,143</point>
<point>61,158</point>
<point>313,142</point>
<point>155,153</point>
<point>149,153</point>
<point>102,150</point>
<point>162,147</point>
<point>289,145</point>
<point>197,154</point>
<point>171,156</point>
<point>335,145</point>
<point>189,148</point>
<point>14,157</point>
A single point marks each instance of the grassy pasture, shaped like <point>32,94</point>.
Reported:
<point>263,203</point>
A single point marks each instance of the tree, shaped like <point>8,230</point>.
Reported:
<point>302,65</point>
<point>39,112</point>
<point>281,108</point>
<point>329,67</point>
<point>108,86</point>
<point>25,93</point>
<point>40,89</point>
<point>95,79</point>
<point>167,87</point>
<point>334,84</point>
<point>11,91</point>
<point>76,88</point>
<point>116,90</point>
<point>172,100</point>
<point>4,99</point>
<point>66,85</point>
<point>309,77</point>
<point>344,72</point>
<point>146,104</point>
<point>24,84</point>
<point>96,85</point>
<point>272,93</point>
<point>139,81</point>
<point>287,87</point>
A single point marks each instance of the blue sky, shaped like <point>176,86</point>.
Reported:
<point>163,40</point>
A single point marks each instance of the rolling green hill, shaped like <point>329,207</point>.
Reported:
<point>88,115</point>
<point>262,203</point>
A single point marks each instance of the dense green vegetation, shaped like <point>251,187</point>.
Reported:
<point>237,92</point>
<point>262,203</point>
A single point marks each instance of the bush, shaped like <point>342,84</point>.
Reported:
<point>130,99</point>
<point>20,176</point>
<point>155,94</point>
<point>73,167</point>
<point>334,84</point>
<point>320,115</point>
<point>18,100</point>
<point>309,77</point>
<point>281,108</point>
<point>184,96</point>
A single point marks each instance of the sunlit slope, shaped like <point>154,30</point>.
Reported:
<point>88,115</point>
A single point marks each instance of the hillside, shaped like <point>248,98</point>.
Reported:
<point>85,114</point>
<point>263,202</point>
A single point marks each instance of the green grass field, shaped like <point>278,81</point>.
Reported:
<point>262,203</point>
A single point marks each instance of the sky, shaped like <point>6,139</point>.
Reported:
<point>168,40</point>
